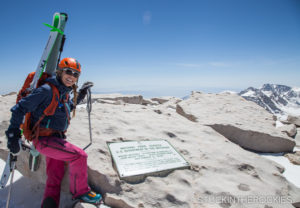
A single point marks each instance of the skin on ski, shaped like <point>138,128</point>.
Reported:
<point>43,60</point>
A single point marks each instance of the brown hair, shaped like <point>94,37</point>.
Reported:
<point>74,87</point>
<point>74,98</point>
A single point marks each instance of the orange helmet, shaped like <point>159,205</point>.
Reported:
<point>70,63</point>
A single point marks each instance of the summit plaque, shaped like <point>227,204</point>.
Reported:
<point>142,158</point>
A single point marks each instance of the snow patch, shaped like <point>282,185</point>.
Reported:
<point>291,110</point>
<point>279,124</point>
<point>296,89</point>
<point>249,94</point>
<point>267,93</point>
<point>229,92</point>
<point>291,172</point>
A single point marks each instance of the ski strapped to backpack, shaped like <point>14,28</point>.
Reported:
<point>46,68</point>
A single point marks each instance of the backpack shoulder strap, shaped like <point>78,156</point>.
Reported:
<point>50,110</point>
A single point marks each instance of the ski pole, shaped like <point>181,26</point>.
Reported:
<point>89,109</point>
<point>13,161</point>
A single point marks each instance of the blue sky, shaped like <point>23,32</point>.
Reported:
<point>159,47</point>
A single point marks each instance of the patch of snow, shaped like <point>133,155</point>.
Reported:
<point>295,100</point>
<point>249,94</point>
<point>267,93</point>
<point>291,110</point>
<point>291,172</point>
<point>296,89</point>
<point>279,124</point>
<point>281,117</point>
<point>228,92</point>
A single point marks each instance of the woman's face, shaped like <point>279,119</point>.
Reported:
<point>69,78</point>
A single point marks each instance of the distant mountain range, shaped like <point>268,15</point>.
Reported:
<point>277,99</point>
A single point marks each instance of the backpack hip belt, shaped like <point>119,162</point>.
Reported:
<point>50,132</point>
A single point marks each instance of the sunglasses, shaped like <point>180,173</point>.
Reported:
<point>71,72</point>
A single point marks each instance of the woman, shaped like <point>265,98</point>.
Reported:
<point>50,140</point>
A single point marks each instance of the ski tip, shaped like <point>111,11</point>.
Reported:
<point>59,15</point>
<point>65,14</point>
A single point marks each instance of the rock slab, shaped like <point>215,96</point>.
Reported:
<point>241,121</point>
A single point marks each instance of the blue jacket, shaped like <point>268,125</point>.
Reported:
<point>37,101</point>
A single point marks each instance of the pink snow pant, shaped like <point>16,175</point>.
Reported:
<point>57,152</point>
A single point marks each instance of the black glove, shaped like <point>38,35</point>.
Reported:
<point>86,86</point>
<point>83,90</point>
<point>13,137</point>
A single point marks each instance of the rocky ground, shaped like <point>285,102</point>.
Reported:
<point>211,131</point>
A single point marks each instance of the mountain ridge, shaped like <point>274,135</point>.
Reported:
<point>275,98</point>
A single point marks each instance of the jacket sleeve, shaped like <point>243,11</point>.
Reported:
<point>29,104</point>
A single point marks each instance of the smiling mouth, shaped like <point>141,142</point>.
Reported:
<point>69,80</point>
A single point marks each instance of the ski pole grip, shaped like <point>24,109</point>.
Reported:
<point>89,100</point>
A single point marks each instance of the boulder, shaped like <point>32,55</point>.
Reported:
<point>297,138</point>
<point>294,157</point>
<point>159,100</point>
<point>294,120</point>
<point>290,129</point>
<point>243,122</point>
